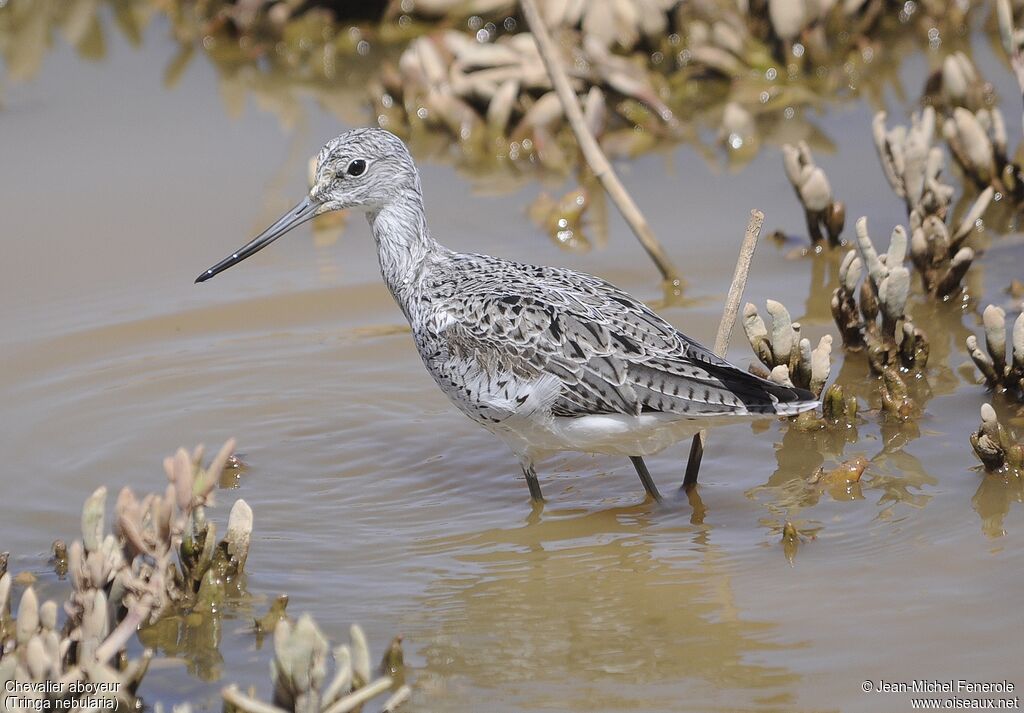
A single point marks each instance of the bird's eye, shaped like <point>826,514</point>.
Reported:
<point>357,167</point>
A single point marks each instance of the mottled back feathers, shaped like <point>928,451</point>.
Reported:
<point>609,352</point>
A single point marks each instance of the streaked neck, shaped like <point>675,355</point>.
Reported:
<point>403,244</point>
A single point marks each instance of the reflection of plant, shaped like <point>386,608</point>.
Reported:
<point>992,501</point>
<point>1002,458</point>
<point>843,481</point>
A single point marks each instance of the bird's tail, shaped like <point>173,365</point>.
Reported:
<point>764,396</point>
<point>794,407</point>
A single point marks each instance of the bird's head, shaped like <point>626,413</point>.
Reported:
<point>362,168</point>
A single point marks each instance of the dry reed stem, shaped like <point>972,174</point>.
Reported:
<point>732,308</point>
<point>592,152</point>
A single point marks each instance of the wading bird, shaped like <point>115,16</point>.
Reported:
<point>547,359</point>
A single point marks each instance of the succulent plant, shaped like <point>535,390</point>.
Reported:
<point>1012,39</point>
<point>875,315</point>
<point>896,399</point>
<point>501,89</point>
<point>995,447</point>
<point>181,708</point>
<point>609,22</point>
<point>274,616</point>
<point>957,83</point>
<point>790,361</point>
<point>1003,364</point>
<point>34,650</point>
<point>938,253</point>
<point>122,580</point>
<point>824,214</point>
<point>788,357</point>
<point>974,127</point>
<point>977,140</point>
<point>845,310</point>
<point>299,674</point>
<point>807,31</point>
<point>914,166</point>
<point>837,407</point>
<point>6,622</point>
<point>718,43</point>
<point>162,551</point>
<point>887,285</point>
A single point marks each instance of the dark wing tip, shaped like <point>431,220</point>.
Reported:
<point>789,394</point>
<point>757,393</point>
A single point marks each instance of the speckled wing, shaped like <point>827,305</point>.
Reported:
<point>610,353</point>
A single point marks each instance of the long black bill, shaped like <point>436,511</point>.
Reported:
<point>298,215</point>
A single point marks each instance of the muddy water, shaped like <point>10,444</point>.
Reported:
<point>377,502</point>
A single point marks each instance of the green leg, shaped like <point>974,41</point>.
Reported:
<point>645,477</point>
<point>531,481</point>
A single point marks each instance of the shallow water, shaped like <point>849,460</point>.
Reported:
<point>379,503</point>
